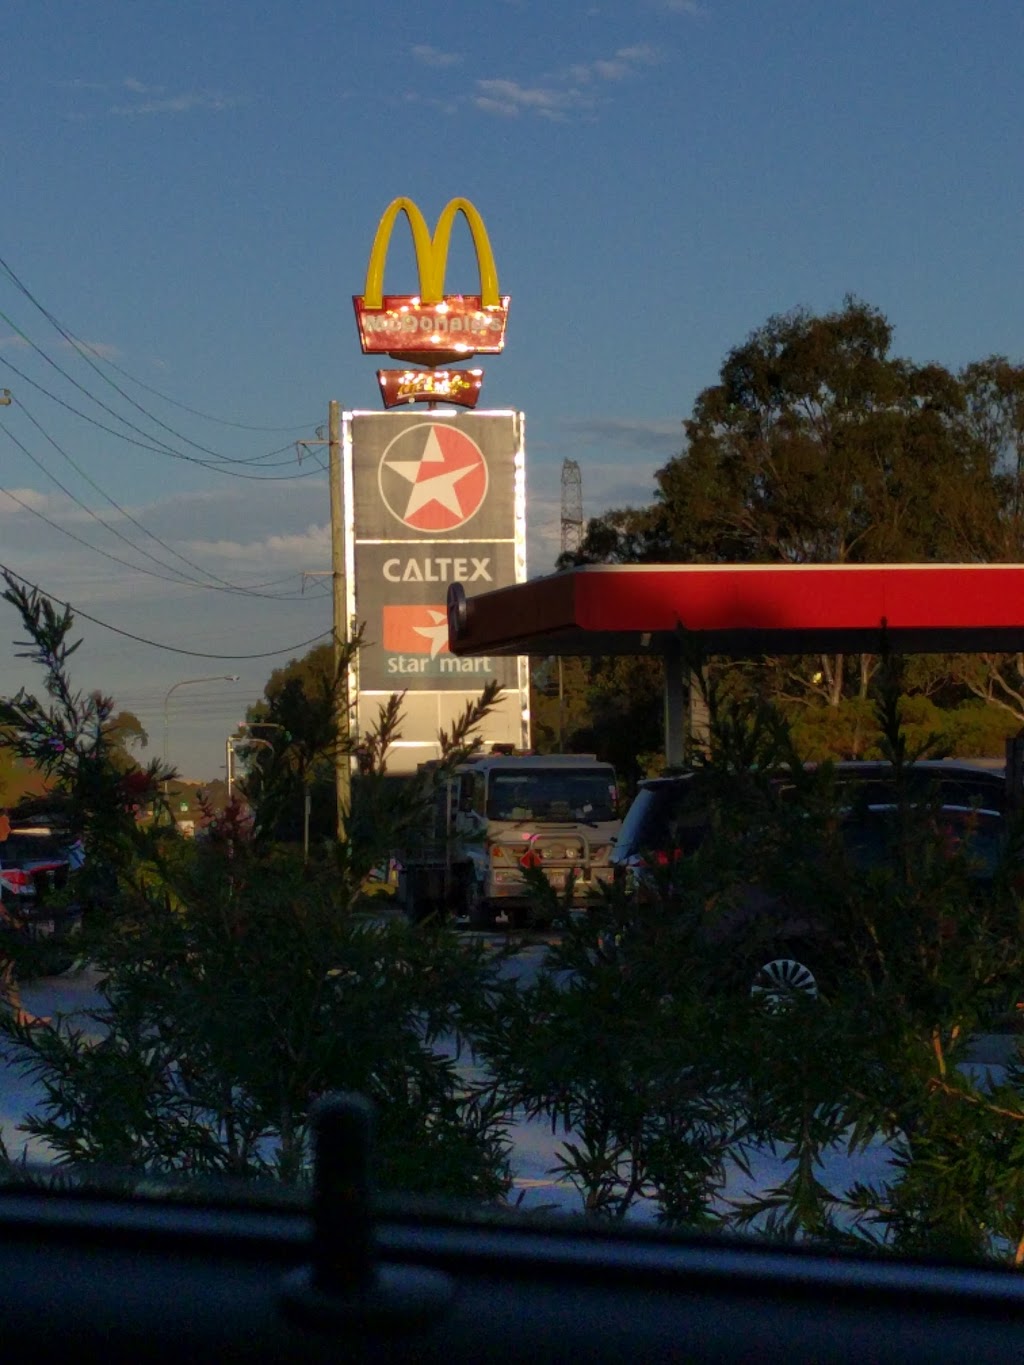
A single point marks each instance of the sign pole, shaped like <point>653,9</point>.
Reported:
<point>342,763</point>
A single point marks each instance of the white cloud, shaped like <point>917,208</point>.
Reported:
<point>654,436</point>
<point>283,535</point>
<point>138,88</point>
<point>13,504</point>
<point>179,104</point>
<point>14,342</point>
<point>103,349</point>
<point>626,62</point>
<point>509,98</point>
<point>571,91</point>
<point>306,550</point>
<point>432,56</point>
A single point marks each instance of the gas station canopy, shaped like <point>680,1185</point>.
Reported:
<point>747,610</point>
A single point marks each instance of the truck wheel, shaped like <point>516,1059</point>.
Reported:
<point>419,903</point>
<point>481,912</point>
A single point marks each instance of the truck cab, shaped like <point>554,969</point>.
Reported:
<point>499,814</point>
<point>555,812</point>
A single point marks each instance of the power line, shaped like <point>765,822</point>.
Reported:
<point>105,407</point>
<point>138,568</point>
<point>116,559</point>
<point>83,346</point>
<point>156,644</point>
<point>196,445</point>
<point>217,586</point>
<point>217,579</point>
<point>145,445</point>
<point>112,529</point>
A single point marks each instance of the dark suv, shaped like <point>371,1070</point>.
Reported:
<point>669,814</point>
<point>772,946</point>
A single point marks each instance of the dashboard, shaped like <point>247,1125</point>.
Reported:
<point>83,1276</point>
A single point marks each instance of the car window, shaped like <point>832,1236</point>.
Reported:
<point>872,839</point>
<point>657,818</point>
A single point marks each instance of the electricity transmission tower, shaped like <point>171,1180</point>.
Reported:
<point>572,507</point>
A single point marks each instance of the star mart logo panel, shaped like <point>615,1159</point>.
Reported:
<point>433,478</point>
<point>416,630</point>
<point>415,640</point>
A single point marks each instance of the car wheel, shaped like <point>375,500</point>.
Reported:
<point>779,982</point>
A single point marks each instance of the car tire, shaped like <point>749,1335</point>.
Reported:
<point>781,981</point>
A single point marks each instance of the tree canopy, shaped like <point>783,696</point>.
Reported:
<point>818,444</point>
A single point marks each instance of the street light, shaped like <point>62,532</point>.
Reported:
<point>229,763</point>
<point>186,682</point>
<point>229,754</point>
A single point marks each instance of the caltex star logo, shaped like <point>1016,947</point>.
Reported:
<point>433,477</point>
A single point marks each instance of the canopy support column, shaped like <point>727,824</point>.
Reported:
<point>677,707</point>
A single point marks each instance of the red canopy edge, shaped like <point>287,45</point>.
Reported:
<point>750,609</point>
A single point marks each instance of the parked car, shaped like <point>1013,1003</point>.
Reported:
<point>36,863</point>
<point>775,945</point>
<point>670,813</point>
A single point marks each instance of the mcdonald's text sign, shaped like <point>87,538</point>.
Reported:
<point>431,327</point>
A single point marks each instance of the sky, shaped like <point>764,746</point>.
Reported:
<point>191,190</point>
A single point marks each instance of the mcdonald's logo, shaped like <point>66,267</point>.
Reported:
<point>431,327</point>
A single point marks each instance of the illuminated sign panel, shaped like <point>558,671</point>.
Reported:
<point>399,387</point>
<point>424,476</point>
<point>436,498</point>
<point>401,591</point>
<point>431,326</point>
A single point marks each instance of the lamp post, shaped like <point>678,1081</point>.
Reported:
<point>229,764</point>
<point>233,740</point>
<point>229,755</point>
<point>187,682</point>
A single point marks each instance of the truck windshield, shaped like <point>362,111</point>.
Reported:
<point>552,794</point>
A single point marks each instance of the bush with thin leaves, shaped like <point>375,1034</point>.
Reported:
<point>239,983</point>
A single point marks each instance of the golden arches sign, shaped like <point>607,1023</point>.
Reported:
<point>431,326</point>
<point>431,251</point>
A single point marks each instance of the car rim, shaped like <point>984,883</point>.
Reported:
<point>777,982</point>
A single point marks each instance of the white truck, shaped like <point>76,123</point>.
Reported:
<point>500,814</point>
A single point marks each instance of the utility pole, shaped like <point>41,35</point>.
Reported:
<point>342,760</point>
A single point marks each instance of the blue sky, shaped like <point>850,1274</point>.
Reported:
<point>192,189</point>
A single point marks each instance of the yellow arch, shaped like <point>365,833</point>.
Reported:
<point>431,252</point>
